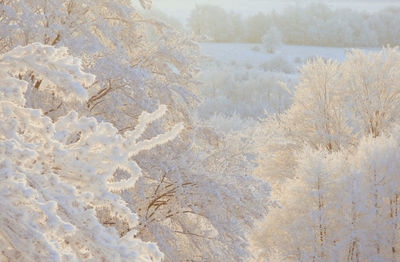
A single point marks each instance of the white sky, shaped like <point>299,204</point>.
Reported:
<point>181,8</point>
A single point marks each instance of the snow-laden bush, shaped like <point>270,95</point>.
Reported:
<point>230,90</point>
<point>272,40</point>
<point>57,179</point>
<point>279,63</point>
<point>226,124</point>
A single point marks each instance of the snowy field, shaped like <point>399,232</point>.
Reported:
<point>244,53</point>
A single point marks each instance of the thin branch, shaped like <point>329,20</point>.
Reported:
<point>192,234</point>
<point>54,109</point>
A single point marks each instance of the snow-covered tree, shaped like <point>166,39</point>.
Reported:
<point>112,40</point>
<point>340,206</point>
<point>58,178</point>
<point>336,182</point>
<point>376,165</point>
<point>272,40</point>
<point>372,85</point>
<point>317,116</point>
<point>301,229</point>
<point>256,26</point>
<point>215,24</point>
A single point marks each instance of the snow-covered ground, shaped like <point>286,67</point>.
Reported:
<point>244,54</point>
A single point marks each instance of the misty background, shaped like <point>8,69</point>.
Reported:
<point>180,9</point>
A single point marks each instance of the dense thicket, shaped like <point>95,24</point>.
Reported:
<point>333,161</point>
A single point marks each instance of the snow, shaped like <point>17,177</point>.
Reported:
<point>242,53</point>
<point>322,142</point>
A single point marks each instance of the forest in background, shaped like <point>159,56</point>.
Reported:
<point>311,24</point>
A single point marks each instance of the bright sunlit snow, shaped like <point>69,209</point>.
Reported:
<point>218,131</point>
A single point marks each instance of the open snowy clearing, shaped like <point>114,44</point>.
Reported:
<point>244,53</point>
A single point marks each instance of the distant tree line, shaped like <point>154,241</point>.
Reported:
<point>313,24</point>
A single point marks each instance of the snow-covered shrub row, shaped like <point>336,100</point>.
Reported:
<point>240,92</point>
<point>228,123</point>
<point>333,161</point>
<point>249,93</point>
<point>311,24</point>
<point>56,176</point>
<point>317,24</point>
<point>279,63</point>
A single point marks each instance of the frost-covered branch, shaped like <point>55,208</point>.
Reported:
<point>56,175</point>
